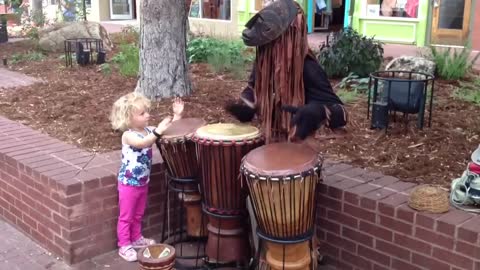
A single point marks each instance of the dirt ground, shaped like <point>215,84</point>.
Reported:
<point>74,103</point>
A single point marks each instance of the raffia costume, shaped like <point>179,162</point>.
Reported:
<point>286,79</point>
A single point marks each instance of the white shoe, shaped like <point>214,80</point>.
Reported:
<point>143,242</point>
<point>128,253</point>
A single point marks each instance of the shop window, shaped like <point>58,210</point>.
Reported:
<point>211,9</point>
<point>259,4</point>
<point>393,8</point>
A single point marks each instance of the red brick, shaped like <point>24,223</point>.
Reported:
<point>326,248</point>
<point>412,244</point>
<point>396,225</point>
<point>330,203</point>
<point>379,179</point>
<point>470,250</point>
<point>359,212</point>
<point>355,260</point>
<point>337,168</point>
<point>351,198</point>
<point>29,221</point>
<point>401,265</point>
<point>329,226</point>
<point>400,186</point>
<point>434,238</point>
<point>428,262</point>
<point>341,243</point>
<point>367,203</point>
<point>469,230</point>
<point>100,193</point>
<point>426,220</point>
<point>46,161</point>
<point>405,213</point>
<point>379,267</point>
<point>69,186</point>
<point>353,173</point>
<point>371,254</point>
<point>44,231</point>
<point>23,226</point>
<point>376,231</point>
<point>452,258</point>
<point>347,184</point>
<point>448,222</point>
<point>357,236</point>
<point>334,192</point>
<point>392,249</point>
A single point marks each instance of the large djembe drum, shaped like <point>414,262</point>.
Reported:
<point>220,149</point>
<point>282,180</point>
<point>178,151</point>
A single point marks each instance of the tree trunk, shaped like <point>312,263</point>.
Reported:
<point>37,12</point>
<point>163,62</point>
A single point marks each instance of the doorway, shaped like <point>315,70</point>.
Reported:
<point>450,22</point>
<point>121,9</point>
<point>328,15</point>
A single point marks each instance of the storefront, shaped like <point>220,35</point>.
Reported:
<point>392,21</point>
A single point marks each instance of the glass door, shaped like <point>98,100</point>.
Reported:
<point>121,9</point>
<point>451,21</point>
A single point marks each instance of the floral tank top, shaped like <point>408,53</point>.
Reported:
<point>136,164</point>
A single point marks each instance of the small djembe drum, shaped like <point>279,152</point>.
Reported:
<point>178,151</point>
<point>282,180</point>
<point>220,149</point>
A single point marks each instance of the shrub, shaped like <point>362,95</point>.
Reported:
<point>452,65</point>
<point>469,92</point>
<point>128,60</point>
<point>351,52</point>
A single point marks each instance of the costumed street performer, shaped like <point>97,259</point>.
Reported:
<point>286,78</point>
<point>287,88</point>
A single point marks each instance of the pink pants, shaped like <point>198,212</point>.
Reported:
<point>132,202</point>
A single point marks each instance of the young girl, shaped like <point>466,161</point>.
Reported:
<point>130,114</point>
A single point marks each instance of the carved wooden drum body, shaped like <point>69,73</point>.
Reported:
<point>282,180</point>
<point>179,154</point>
<point>220,149</point>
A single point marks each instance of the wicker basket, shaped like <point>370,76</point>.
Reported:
<point>430,199</point>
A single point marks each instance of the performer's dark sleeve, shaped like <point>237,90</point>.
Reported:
<point>317,87</point>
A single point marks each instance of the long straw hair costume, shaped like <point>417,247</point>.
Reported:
<point>279,77</point>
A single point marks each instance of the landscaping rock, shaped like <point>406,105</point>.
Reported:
<point>412,63</point>
<point>52,38</point>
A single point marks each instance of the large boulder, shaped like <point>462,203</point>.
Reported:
<point>52,38</point>
<point>412,63</point>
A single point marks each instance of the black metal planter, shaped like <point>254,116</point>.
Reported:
<point>405,92</point>
<point>3,29</point>
<point>88,51</point>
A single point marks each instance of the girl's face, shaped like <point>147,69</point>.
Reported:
<point>139,118</point>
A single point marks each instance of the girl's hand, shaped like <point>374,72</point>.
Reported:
<point>166,122</point>
<point>177,107</point>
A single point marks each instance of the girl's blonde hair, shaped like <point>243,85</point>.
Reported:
<point>123,108</point>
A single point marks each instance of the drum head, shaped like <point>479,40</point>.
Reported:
<point>281,159</point>
<point>182,128</point>
<point>227,132</point>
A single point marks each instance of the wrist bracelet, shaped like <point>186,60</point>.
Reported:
<point>156,134</point>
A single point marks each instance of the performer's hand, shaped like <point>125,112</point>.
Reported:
<point>241,112</point>
<point>306,119</point>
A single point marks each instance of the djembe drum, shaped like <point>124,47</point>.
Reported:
<point>220,149</point>
<point>178,151</point>
<point>282,180</point>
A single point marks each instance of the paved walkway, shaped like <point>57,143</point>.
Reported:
<point>11,79</point>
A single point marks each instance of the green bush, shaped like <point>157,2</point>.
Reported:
<point>128,60</point>
<point>351,52</point>
<point>452,65</point>
<point>29,57</point>
<point>223,55</point>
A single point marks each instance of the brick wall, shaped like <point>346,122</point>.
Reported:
<point>365,223</point>
<point>65,198</point>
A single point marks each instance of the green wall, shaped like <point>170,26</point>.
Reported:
<point>392,29</point>
<point>244,12</point>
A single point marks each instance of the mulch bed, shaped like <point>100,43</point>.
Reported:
<point>74,103</point>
